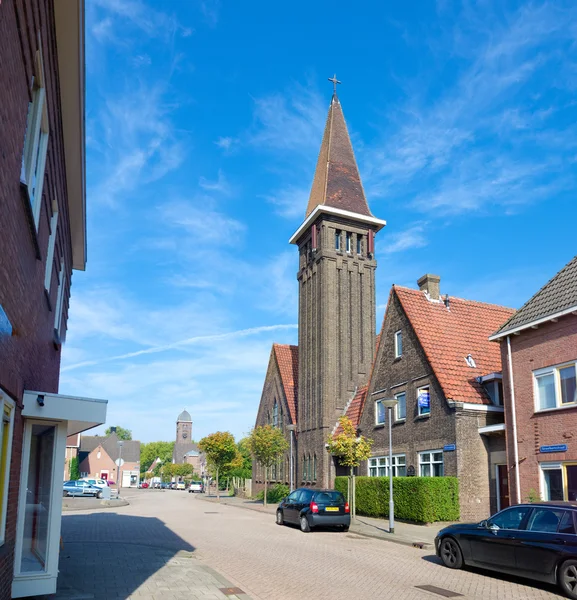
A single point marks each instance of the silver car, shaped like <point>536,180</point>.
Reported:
<point>81,488</point>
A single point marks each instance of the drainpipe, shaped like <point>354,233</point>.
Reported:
<point>514,417</point>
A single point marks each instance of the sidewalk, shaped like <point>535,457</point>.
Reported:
<point>409,534</point>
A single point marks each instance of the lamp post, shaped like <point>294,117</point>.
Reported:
<point>390,404</point>
<point>118,472</point>
<point>291,428</point>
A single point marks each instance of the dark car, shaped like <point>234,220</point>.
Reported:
<point>537,541</point>
<point>310,508</point>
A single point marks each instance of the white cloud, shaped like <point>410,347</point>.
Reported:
<point>220,185</point>
<point>290,202</point>
<point>227,143</point>
<point>413,237</point>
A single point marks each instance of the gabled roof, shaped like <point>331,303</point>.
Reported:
<point>337,182</point>
<point>354,409</point>
<point>449,335</point>
<point>555,298</point>
<point>287,358</point>
<point>130,448</point>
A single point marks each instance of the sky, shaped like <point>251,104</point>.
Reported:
<point>204,119</point>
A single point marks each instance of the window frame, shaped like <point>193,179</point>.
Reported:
<point>385,465</point>
<point>359,244</point>
<point>420,411</point>
<point>554,370</point>
<point>8,409</point>
<point>384,421</point>
<point>338,240</point>
<point>59,312</point>
<point>432,462</point>
<point>51,248</point>
<point>398,347</point>
<point>349,242</point>
<point>399,419</point>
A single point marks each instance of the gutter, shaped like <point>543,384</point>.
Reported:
<point>514,417</point>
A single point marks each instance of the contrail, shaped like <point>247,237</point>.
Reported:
<point>186,342</point>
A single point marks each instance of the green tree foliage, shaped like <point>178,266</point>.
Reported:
<point>123,434</point>
<point>152,450</point>
<point>220,450</point>
<point>267,445</point>
<point>351,450</point>
<point>74,469</point>
<point>182,471</point>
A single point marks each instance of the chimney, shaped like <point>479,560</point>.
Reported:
<point>430,284</point>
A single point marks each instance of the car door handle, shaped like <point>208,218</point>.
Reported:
<point>559,541</point>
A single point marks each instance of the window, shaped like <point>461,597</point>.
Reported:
<point>567,524</point>
<point>280,422</point>
<point>494,390</point>
<point>275,414</point>
<point>349,242</point>
<point>7,409</point>
<point>545,519</point>
<point>398,344</point>
<point>556,387</point>
<point>401,409</point>
<point>315,467</point>
<point>359,244</point>
<point>305,472</point>
<point>424,401</point>
<point>51,246</point>
<point>510,518</point>
<point>35,143</point>
<point>60,301</point>
<point>431,463</point>
<point>553,482</point>
<point>337,240</point>
<point>379,466</point>
<point>380,412</point>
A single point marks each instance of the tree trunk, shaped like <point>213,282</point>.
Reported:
<point>217,492</point>
<point>265,484</point>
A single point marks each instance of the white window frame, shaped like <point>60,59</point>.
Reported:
<point>5,401</point>
<point>432,462</point>
<point>36,142</point>
<point>555,371</point>
<point>377,422</point>
<point>397,417</point>
<point>420,408</point>
<point>51,247</point>
<point>398,346</point>
<point>60,300</point>
<point>382,462</point>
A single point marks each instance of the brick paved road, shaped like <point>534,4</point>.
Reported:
<point>277,563</point>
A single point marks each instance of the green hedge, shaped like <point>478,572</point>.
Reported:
<point>419,499</point>
<point>274,494</point>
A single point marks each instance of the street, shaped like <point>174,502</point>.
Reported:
<point>165,538</point>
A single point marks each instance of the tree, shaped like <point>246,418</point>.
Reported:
<point>351,450</point>
<point>74,469</point>
<point>123,434</point>
<point>267,445</point>
<point>166,472</point>
<point>182,470</point>
<point>219,449</point>
<point>150,451</point>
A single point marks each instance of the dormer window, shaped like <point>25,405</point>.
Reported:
<point>349,242</point>
<point>337,240</point>
<point>492,384</point>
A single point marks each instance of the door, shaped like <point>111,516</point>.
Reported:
<point>502,487</point>
<point>290,508</point>
<point>540,545</point>
<point>493,545</point>
<point>571,472</point>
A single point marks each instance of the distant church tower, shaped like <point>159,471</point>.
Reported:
<point>336,276</point>
<point>183,442</point>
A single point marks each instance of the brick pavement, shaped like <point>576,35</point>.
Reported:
<point>163,537</point>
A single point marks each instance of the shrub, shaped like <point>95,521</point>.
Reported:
<point>419,499</point>
<point>275,494</point>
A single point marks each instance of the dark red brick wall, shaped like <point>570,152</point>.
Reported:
<point>29,358</point>
<point>550,344</point>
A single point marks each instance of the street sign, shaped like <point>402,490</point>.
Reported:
<point>556,448</point>
<point>450,448</point>
<point>5,325</point>
<point>119,462</point>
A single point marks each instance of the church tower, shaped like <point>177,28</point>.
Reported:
<point>336,278</point>
<point>183,442</point>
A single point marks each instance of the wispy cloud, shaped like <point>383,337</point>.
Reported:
<point>227,143</point>
<point>220,185</point>
<point>211,11</point>
<point>290,202</point>
<point>413,237</point>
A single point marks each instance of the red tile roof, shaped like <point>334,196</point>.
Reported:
<point>448,335</point>
<point>354,408</point>
<point>287,358</point>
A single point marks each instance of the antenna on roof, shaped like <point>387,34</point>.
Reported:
<point>447,302</point>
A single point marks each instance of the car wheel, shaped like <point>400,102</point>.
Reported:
<point>99,495</point>
<point>305,527</point>
<point>451,554</point>
<point>567,578</point>
<point>279,518</point>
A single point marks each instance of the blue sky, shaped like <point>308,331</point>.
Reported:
<point>204,120</point>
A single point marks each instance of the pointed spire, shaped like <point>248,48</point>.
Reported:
<point>337,182</point>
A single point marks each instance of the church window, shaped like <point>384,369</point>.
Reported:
<point>280,422</point>
<point>275,414</point>
<point>359,244</point>
<point>349,242</point>
<point>337,240</point>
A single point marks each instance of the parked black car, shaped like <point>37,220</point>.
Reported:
<point>538,541</point>
<point>310,508</point>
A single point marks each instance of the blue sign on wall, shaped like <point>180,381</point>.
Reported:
<point>5,325</point>
<point>556,448</point>
<point>449,447</point>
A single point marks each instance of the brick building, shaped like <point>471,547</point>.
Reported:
<point>72,449</point>
<point>336,279</point>
<point>98,455</point>
<point>42,211</point>
<point>539,355</point>
<point>435,358</point>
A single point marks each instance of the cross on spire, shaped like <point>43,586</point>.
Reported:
<point>335,81</point>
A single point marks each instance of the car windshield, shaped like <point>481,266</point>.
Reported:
<point>322,497</point>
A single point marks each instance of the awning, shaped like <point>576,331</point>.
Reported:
<point>81,413</point>
<point>497,429</point>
